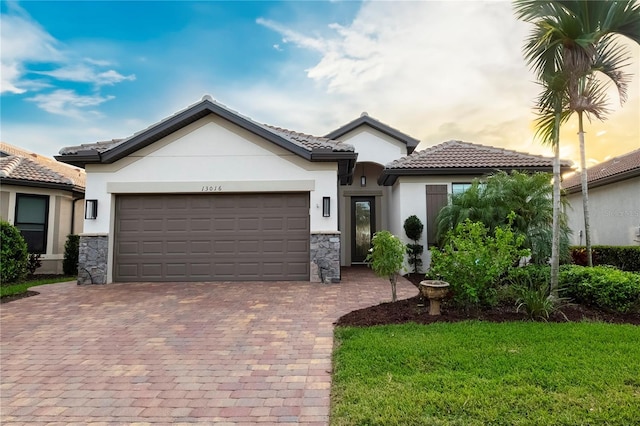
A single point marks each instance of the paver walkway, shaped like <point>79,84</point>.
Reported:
<point>171,353</point>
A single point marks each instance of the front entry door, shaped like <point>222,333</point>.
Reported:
<point>363,224</point>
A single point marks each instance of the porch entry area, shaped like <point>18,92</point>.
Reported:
<point>363,226</point>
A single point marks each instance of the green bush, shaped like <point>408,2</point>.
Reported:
<point>626,258</point>
<point>604,287</point>
<point>71,254</point>
<point>472,262</point>
<point>386,257</point>
<point>14,255</point>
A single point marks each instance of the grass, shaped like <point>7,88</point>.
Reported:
<point>478,373</point>
<point>22,287</point>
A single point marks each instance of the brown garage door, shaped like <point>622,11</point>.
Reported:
<point>212,237</point>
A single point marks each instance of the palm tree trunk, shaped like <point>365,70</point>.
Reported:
<point>585,190</point>
<point>555,242</point>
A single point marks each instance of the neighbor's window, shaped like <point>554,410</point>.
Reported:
<point>459,188</point>
<point>31,219</point>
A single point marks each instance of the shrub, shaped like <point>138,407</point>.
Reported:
<point>626,258</point>
<point>472,261</point>
<point>14,255</point>
<point>386,257</point>
<point>603,287</point>
<point>71,254</point>
<point>413,227</point>
<point>33,263</point>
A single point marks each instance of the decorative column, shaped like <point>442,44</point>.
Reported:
<point>325,257</point>
<point>93,258</point>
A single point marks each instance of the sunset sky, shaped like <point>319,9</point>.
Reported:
<point>79,72</point>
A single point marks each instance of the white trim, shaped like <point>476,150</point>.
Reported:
<point>210,187</point>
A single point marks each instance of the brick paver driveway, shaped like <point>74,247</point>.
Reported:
<point>170,353</point>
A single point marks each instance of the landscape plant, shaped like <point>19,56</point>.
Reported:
<point>13,254</point>
<point>33,262</point>
<point>413,227</point>
<point>528,196</point>
<point>71,254</point>
<point>473,259</point>
<point>603,287</point>
<point>386,258</point>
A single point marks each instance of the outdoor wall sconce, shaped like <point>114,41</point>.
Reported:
<point>326,206</point>
<point>90,209</point>
<point>363,180</point>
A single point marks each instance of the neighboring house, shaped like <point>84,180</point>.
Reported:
<point>614,202</point>
<point>208,194</point>
<point>43,199</point>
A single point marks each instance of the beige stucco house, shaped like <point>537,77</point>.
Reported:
<point>614,202</point>
<point>43,198</point>
<point>208,194</point>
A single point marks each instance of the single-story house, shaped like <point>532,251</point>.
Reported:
<point>614,202</point>
<point>208,194</point>
<point>43,198</point>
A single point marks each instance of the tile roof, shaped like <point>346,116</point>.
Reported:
<point>309,142</point>
<point>22,165</point>
<point>613,170</point>
<point>463,155</point>
<point>302,140</point>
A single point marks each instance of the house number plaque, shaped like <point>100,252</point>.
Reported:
<point>212,188</point>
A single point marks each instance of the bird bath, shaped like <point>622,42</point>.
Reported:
<point>435,291</point>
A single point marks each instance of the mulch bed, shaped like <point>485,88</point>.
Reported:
<point>28,293</point>
<point>416,310</point>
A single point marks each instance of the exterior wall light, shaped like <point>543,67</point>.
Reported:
<point>91,209</point>
<point>363,180</point>
<point>326,206</point>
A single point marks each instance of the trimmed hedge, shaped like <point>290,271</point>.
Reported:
<point>71,255</point>
<point>626,258</point>
<point>604,287</point>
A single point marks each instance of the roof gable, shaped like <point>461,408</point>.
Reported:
<point>306,146</point>
<point>21,167</point>
<point>366,120</point>
<point>457,157</point>
<point>614,170</point>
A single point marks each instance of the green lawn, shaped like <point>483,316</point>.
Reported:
<point>478,373</point>
<point>22,287</point>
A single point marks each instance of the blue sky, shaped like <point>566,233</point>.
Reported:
<point>79,72</point>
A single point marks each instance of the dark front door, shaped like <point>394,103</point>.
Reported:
<point>363,224</point>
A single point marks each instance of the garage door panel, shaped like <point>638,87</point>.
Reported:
<point>212,237</point>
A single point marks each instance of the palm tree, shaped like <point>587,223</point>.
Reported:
<point>575,42</point>
<point>491,202</point>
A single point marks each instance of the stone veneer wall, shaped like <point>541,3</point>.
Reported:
<point>93,259</point>
<point>325,257</point>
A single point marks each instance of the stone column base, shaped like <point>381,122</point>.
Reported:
<point>325,257</point>
<point>93,259</point>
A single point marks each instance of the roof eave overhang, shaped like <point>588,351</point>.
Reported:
<point>390,176</point>
<point>170,126</point>
<point>46,185</point>
<point>604,181</point>
<point>346,162</point>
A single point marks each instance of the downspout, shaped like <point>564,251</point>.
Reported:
<point>73,213</point>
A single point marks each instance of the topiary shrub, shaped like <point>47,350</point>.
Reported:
<point>413,227</point>
<point>603,287</point>
<point>71,254</point>
<point>14,255</point>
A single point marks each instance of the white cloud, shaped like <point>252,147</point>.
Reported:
<point>85,74</point>
<point>25,43</point>
<point>68,103</point>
